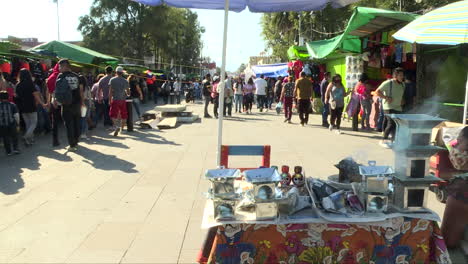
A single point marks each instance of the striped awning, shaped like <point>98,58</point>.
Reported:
<point>447,25</point>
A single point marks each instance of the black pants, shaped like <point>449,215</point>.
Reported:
<point>56,113</point>
<point>390,125</point>
<point>335,119</point>
<point>207,103</point>
<point>356,118</point>
<point>304,106</point>
<point>71,114</point>
<point>107,119</point>
<point>215,106</point>
<point>10,137</point>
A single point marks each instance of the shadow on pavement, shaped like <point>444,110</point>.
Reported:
<point>13,167</point>
<point>103,161</point>
<point>150,138</point>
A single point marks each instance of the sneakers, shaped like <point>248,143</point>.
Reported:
<point>16,152</point>
<point>330,127</point>
<point>208,116</point>
<point>286,120</point>
<point>385,144</point>
<point>338,132</point>
<point>72,149</point>
<point>83,137</point>
<point>116,132</point>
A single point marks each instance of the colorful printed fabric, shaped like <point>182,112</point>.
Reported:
<point>407,241</point>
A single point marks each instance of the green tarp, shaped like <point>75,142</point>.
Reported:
<point>298,53</point>
<point>364,22</point>
<point>75,53</point>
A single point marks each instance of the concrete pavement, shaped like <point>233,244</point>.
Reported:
<point>139,198</point>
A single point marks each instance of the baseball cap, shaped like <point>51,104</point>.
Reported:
<point>119,69</point>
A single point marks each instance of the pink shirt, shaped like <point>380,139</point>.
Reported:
<point>96,92</point>
<point>248,88</point>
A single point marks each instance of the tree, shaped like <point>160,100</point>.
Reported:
<point>281,30</point>
<point>129,29</point>
<point>242,68</point>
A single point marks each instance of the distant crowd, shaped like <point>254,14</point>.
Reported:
<point>80,101</point>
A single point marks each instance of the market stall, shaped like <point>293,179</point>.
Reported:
<point>269,215</point>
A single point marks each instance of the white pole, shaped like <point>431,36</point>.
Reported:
<point>58,21</point>
<point>465,109</point>
<point>221,92</point>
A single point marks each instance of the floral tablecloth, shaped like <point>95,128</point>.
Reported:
<point>407,241</point>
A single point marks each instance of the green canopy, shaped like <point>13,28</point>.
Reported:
<point>74,52</point>
<point>365,21</point>
<point>298,53</point>
<point>6,46</point>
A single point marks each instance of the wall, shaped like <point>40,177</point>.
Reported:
<point>337,66</point>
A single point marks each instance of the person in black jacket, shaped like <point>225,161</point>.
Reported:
<point>71,113</point>
<point>27,99</point>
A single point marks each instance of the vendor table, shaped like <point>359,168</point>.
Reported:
<point>408,240</point>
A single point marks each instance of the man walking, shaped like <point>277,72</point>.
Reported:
<point>9,120</point>
<point>177,90</point>
<point>104,89</point>
<point>323,91</point>
<point>119,89</point>
<point>303,93</point>
<point>207,89</point>
<point>261,85</point>
<point>391,91</point>
<point>71,111</point>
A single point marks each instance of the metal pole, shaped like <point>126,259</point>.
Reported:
<point>221,92</point>
<point>465,108</point>
<point>58,21</point>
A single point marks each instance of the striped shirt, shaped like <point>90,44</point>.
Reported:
<point>7,114</point>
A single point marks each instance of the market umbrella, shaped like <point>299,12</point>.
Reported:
<point>238,6</point>
<point>447,25</point>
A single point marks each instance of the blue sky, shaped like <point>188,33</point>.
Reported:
<point>37,18</point>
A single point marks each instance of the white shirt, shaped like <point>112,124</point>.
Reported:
<point>177,86</point>
<point>261,85</point>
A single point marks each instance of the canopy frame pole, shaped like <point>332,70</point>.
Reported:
<point>221,92</point>
<point>465,108</point>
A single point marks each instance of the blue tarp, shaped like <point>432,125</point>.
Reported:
<point>254,5</point>
<point>271,70</point>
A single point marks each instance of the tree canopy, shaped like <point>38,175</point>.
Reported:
<point>281,30</point>
<point>129,29</point>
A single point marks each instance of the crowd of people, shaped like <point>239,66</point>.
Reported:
<point>82,101</point>
<point>396,95</point>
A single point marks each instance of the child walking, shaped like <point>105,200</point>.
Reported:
<point>9,120</point>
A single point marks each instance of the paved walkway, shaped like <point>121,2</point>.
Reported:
<point>139,198</point>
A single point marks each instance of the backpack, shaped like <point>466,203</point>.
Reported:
<point>63,93</point>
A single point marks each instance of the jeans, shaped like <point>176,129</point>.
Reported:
<point>325,113</point>
<point>390,125</point>
<point>136,106</point>
<point>261,101</point>
<point>84,122</point>
<point>30,120</point>
<point>207,103</point>
<point>304,106</point>
<point>43,120</point>
<point>98,112</point>
<point>10,137</point>
<point>381,117</point>
<point>287,104</point>
<point>366,105</point>
<point>177,97</point>
<point>227,106</point>
<point>107,119</point>
<point>335,119</point>
<point>249,98</point>
<point>239,102</point>
<point>71,114</point>
<point>56,114</point>
<point>269,102</point>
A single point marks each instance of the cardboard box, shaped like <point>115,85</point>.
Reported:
<point>442,129</point>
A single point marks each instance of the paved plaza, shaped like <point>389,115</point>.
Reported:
<point>139,198</point>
